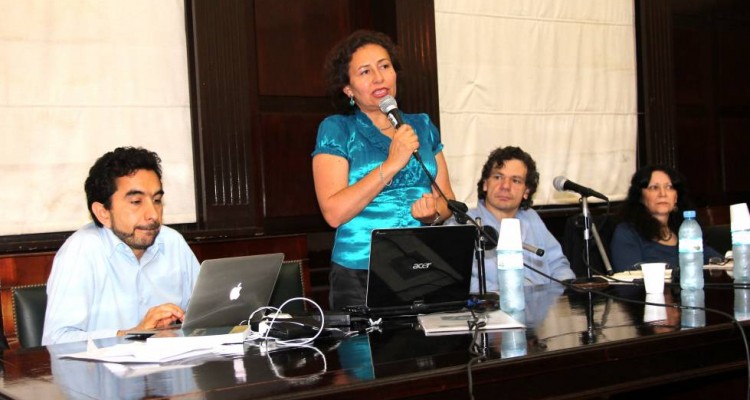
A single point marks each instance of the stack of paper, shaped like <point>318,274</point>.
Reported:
<point>160,349</point>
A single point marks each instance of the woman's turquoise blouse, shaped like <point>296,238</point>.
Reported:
<point>355,138</point>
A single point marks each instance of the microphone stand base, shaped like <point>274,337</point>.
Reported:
<point>588,283</point>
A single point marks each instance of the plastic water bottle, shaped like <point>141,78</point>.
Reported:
<point>510,266</point>
<point>742,304</point>
<point>740,242</point>
<point>693,318</point>
<point>691,252</point>
<point>514,342</point>
<point>741,256</point>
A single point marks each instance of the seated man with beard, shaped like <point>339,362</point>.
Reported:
<point>124,271</point>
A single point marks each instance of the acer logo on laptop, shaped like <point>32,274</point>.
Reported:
<point>421,265</point>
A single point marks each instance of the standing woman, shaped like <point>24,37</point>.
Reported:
<point>364,172</point>
<point>650,219</point>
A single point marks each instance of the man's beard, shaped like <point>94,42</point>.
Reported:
<point>137,244</point>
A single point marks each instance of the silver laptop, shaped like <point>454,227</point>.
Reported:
<point>229,289</point>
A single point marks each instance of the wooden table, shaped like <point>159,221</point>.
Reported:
<point>576,345</point>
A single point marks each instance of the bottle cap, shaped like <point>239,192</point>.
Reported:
<point>739,216</point>
<point>510,235</point>
<point>688,214</point>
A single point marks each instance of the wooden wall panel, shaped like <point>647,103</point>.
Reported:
<point>692,63</point>
<point>733,101</point>
<point>289,187</point>
<point>732,63</point>
<point>696,137</point>
<point>293,38</point>
<point>735,135</point>
<point>711,46</point>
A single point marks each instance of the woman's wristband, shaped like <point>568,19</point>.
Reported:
<point>382,179</point>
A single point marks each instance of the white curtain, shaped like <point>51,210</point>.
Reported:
<point>554,77</point>
<point>77,79</point>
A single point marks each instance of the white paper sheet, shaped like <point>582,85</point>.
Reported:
<point>159,350</point>
<point>458,322</point>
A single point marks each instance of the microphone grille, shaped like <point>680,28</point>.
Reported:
<point>388,104</point>
<point>559,183</point>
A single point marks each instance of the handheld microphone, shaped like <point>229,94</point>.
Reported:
<point>389,107</point>
<point>562,184</point>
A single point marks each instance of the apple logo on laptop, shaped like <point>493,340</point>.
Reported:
<point>234,294</point>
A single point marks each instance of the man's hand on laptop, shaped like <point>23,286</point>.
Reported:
<point>160,316</point>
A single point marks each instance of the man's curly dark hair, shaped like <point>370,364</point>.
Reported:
<point>497,158</point>
<point>101,183</point>
<point>336,65</point>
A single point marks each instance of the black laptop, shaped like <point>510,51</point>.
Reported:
<point>418,270</point>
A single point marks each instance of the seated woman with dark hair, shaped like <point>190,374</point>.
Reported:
<point>651,218</point>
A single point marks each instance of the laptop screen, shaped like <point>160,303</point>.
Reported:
<point>420,265</point>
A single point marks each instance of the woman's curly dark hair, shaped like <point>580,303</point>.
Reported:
<point>336,67</point>
<point>634,212</point>
<point>101,183</point>
<point>497,158</point>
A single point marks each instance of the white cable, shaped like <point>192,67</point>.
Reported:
<point>292,342</point>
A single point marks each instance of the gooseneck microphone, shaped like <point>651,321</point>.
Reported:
<point>494,235</point>
<point>562,184</point>
<point>389,107</point>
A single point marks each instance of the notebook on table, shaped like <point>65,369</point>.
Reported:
<point>226,291</point>
<point>418,270</point>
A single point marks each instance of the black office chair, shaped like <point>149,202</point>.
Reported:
<point>29,305</point>
<point>289,284</point>
<point>573,243</point>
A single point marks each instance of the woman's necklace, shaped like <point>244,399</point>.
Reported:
<point>667,237</point>
<point>386,128</point>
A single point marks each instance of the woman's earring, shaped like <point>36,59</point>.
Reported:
<point>351,100</point>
